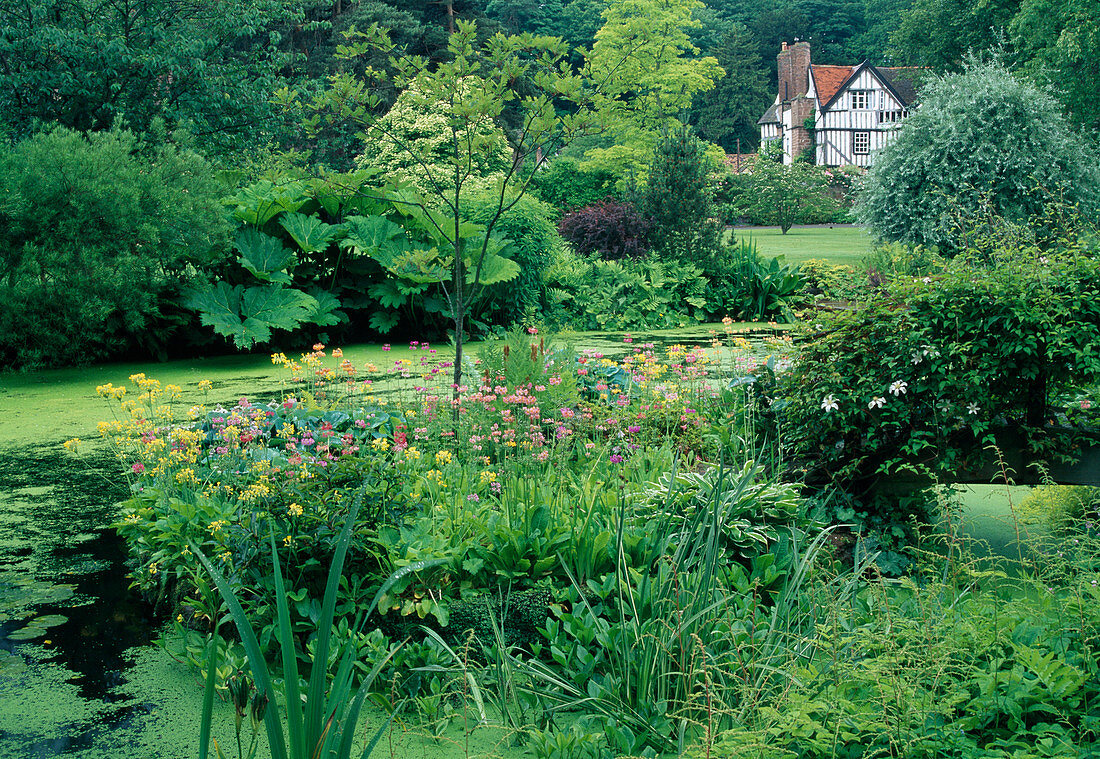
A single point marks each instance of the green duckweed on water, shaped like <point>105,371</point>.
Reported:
<point>79,674</point>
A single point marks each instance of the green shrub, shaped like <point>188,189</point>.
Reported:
<point>925,371</point>
<point>827,280</point>
<point>775,194</point>
<point>1060,507</point>
<point>626,294</point>
<point>984,143</point>
<point>677,199</point>
<point>566,186</point>
<point>98,234</point>
<point>535,240</point>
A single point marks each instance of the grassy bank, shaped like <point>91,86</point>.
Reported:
<point>836,244</point>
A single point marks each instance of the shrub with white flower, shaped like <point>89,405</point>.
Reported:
<point>829,403</point>
<point>878,402</point>
<point>898,387</point>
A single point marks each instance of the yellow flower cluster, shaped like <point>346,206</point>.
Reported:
<point>110,391</point>
<point>255,491</point>
<point>186,476</point>
<point>442,458</point>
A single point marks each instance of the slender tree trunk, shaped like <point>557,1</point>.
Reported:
<point>459,302</point>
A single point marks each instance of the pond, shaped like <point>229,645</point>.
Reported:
<point>80,675</point>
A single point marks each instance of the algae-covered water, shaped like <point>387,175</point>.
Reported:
<point>80,675</point>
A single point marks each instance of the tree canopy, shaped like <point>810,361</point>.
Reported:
<point>644,70</point>
<point>984,142</point>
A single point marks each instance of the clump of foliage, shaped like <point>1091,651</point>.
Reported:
<point>935,665</point>
<point>533,242</point>
<point>566,186</point>
<point>743,284</point>
<point>983,143</point>
<point>584,293</point>
<point>927,371</point>
<point>351,255</point>
<point>772,193</point>
<point>677,199</point>
<point>417,141</point>
<point>99,234</point>
<point>610,228</point>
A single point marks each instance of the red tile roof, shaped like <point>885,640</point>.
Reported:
<point>828,80</point>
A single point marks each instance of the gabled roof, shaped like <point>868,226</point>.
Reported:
<point>903,81</point>
<point>771,116</point>
<point>828,80</point>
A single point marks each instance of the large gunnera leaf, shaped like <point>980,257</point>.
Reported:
<point>249,315</point>
<point>264,256</point>
<point>309,232</point>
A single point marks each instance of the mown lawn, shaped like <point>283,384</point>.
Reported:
<point>838,244</point>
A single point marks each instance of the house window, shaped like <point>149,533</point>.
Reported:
<point>861,143</point>
<point>862,100</point>
<point>890,117</point>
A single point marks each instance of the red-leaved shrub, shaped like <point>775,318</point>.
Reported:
<point>612,228</point>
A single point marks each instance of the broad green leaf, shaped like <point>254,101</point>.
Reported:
<point>388,294</point>
<point>259,203</point>
<point>281,307</point>
<point>327,313</point>
<point>264,256</point>
<point>377,237</point>
<point>219,306</point>
<point>422,266</point>
<point>311,234</point>
<point>384,321</point>
<point>494,269</point>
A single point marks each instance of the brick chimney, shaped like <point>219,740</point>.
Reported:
<point>794,68</point>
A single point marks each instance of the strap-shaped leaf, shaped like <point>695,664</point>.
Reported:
<point>264,256</point>
<point>309,232</point>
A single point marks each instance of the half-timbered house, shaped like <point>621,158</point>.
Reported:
<point>843,114</point>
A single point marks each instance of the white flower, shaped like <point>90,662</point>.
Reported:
<point>927,280</point>
<point>877,403</point>
<point>917,358</point>
<point>972,408</point>
<point>898,387</point>
<point>828,403</point>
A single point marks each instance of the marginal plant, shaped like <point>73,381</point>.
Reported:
<point>322,716</point>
